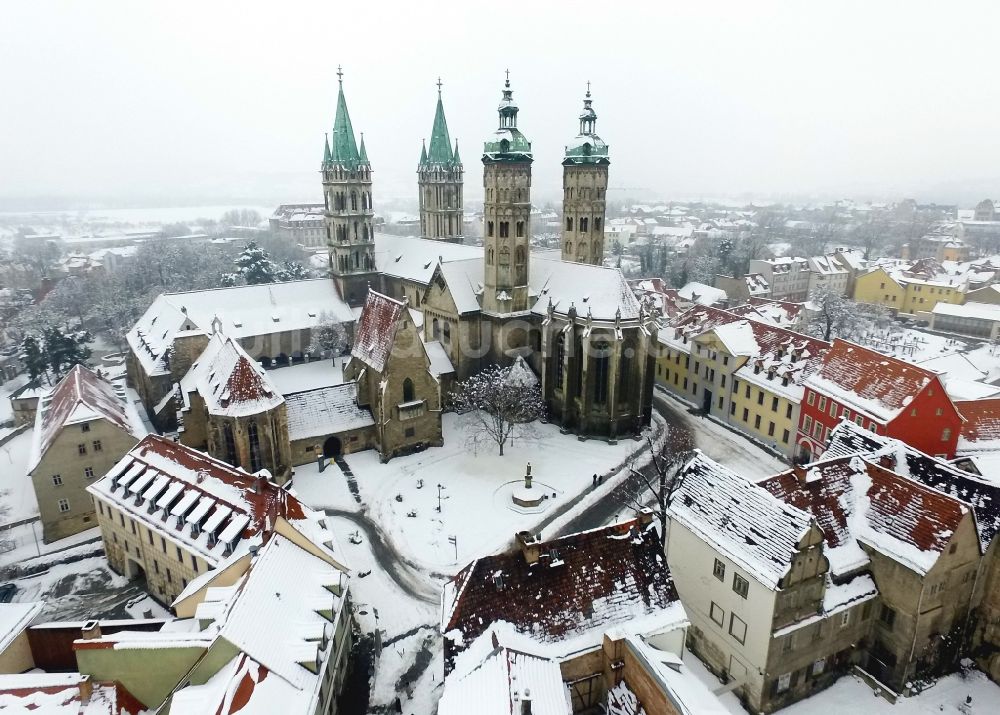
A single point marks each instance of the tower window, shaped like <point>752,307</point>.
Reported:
<point>407,390</point>
<point>489,257</point>
<point>520,229</point>
<point>504,229</point>
<point>489,228</point>
<point>601,365</point>
<point>436,329</point>
<point>560,359</point>
<point>354,201</point>
<point>569,248</point>
<point>254,447</point>
<point>519,255</point>
<point>227,435</point>
<point>597,224</point>
<point>504,256</point>
<point>583,225</point>
<point>569,224</point>
<point>447,332</point>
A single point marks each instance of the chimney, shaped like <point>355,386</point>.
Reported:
<point>86,689</point>
<point>91,630</point>
<point>530,547</point>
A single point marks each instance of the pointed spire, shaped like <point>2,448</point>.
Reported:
<point>343,148</point>
<point>440,149</point>
<point>363,159</point>
<point>423,152</point>
<point>326,148</point>
<point>455,158</point>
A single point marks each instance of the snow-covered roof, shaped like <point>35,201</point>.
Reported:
<point>490,678</point>
<point>414,259</point>
<point>193,499</point>
<point>440,362</point>
<point>465,282</point>
<point>858,502</point>
<point>242,686</point>
<point>579,586</point>
<point>702,294</point>
<point>81,396</point>
<point>40,693</point>
<point>376,329</point>
<point>245,311</point>
<point>229,381</point>
<point>14,618</point>
<point>870,382</point>
<point>740,519</point>
<point>599,291</point>
<point>976,311</point>
<point>325,411</point>
<point>983,494</point>
<point>981,428</point>
<point>826,265</point>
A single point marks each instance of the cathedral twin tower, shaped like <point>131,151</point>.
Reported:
<point>507,159</point>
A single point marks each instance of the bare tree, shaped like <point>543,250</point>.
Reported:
<point>329,338</point>
<point>498,399</point>
<point>659,478</point>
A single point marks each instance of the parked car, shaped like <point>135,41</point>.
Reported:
<point>7,592</point>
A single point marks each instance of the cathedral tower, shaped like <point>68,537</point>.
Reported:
<point>439,180</point>
<point>585,183</point>
<point>506,212</point>
<point>347,195</point>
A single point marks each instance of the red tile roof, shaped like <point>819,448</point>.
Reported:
<point>982,422</point>
<point>892,506</point>
<point>376,329</point>
<point>881,385</point>
<point>593,579</point>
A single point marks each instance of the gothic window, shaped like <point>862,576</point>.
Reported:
<point>364,232</point>
<point>447,331</point>
<point>364,200</point>
<point>407,390</point>
<point>569,248</point>
<point>489,257</point>
<point>583,250</point>
<point>357,261</point>
<point>436,329</point>
<point>354,201</point>
<point>597,224</point>
<point>520,229</point>
<point>327,233</point>
<point>519,255</point>
<point>601,365</point>
<point>355,230</point>
<point>230,443</point>
<point>504,229</point>
<point>560,359</point>
<point>583,225</point>
<point>569,224</point>
<point>489,228</point>
<point>624,374</point>
<point>254,447</point>
<point>504,256</point>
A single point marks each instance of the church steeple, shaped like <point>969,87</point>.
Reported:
<point>349,215</point>
<point>585,182</point>
<point>508,143</point>
<point>439,176</point>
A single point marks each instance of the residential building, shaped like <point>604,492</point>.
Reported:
<point>169,513</point>
<point>915,289</point>
<point>827,273</point>
<point>776,312</point>
<point>787,276</point>
<point>880,393</point>
<point>741,289</point>
<point>585,185</point>
<point>565,595</point>
<point>301,224</point>
<point>15,650</point>
<point>854,262</point>
<point>440,183</point>
<point>753,576</point>
<point>987,210</point>
<point>82,428</point>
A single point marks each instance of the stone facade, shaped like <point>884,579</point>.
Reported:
<point>585,185</point>
<point>440,184</point>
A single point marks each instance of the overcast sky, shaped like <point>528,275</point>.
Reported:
<point>176,100</point>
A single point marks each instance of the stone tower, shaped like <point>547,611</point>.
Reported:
<point>585,183</point>
<point>506,212</point>
<point>439,179</point>
<point>347,195</point>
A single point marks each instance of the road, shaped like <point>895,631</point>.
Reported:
<point>716,441</point>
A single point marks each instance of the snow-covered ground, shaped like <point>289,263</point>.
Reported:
<point>475,506</point>
<point>16,490</point>
<point>6,412</point>
<point>851,696</point>
<point>307,376</point>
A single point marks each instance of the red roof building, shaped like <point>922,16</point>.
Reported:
<point>880,393</point>
<point>981,429</point>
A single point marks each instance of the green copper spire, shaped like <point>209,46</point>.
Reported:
<point>344,150</point>
<point>423,152</point>
<point>440,150</point>
<point>455,158</point>
<point>507,143</point>
<point>587,147</point>
<point>364,154</point>
<point>326,149</point>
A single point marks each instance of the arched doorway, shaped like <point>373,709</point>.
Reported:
<point>805,453</point>
<point>331,448</point>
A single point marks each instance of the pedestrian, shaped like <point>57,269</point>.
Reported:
<point>600,479</point>
<point>595,480</point>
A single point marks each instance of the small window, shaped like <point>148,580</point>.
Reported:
<point>822,404</point>
<point>149,535</point>
<point>784,436</point>
<point>756,422</point>
<point>719,571</point>
<point>945,434</point>
<point>410,432</point>
<point>818,666</point>
<point>97,445</point>
<point>833,408</point>
<point>746,414</point>
<point>770,429</point>
<point>81,448</point>
<point>57,480</point>
<point>784,681</point>
<point>180,554</point>
<point>63,505</point>
<point>737,628</point>
<point>88,472</point>
<point>807,424</point>
<point>811,399</point>
<point>740,585</point>
<point>85,427</point>
<point>774,404</point>
<point>845,618</point>
<point>717,614</point>
<point>887,616</point>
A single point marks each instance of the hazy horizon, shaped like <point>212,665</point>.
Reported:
<point>119,103</point>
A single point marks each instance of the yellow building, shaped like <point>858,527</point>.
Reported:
<point>744,373</point>
<point>922,295</point>
<point>906,291</point>
<point>878,287</point>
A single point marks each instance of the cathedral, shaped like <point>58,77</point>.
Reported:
<point>573,320</point>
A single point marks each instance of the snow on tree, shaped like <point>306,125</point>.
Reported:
<point>292,271</point>
<point>499,399</point>
<point>831,315</point>
<point>254,265</point>
<point>33,356</point>
<point>52,353</point>
<point>329,338</point>
<point>658,479</point>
